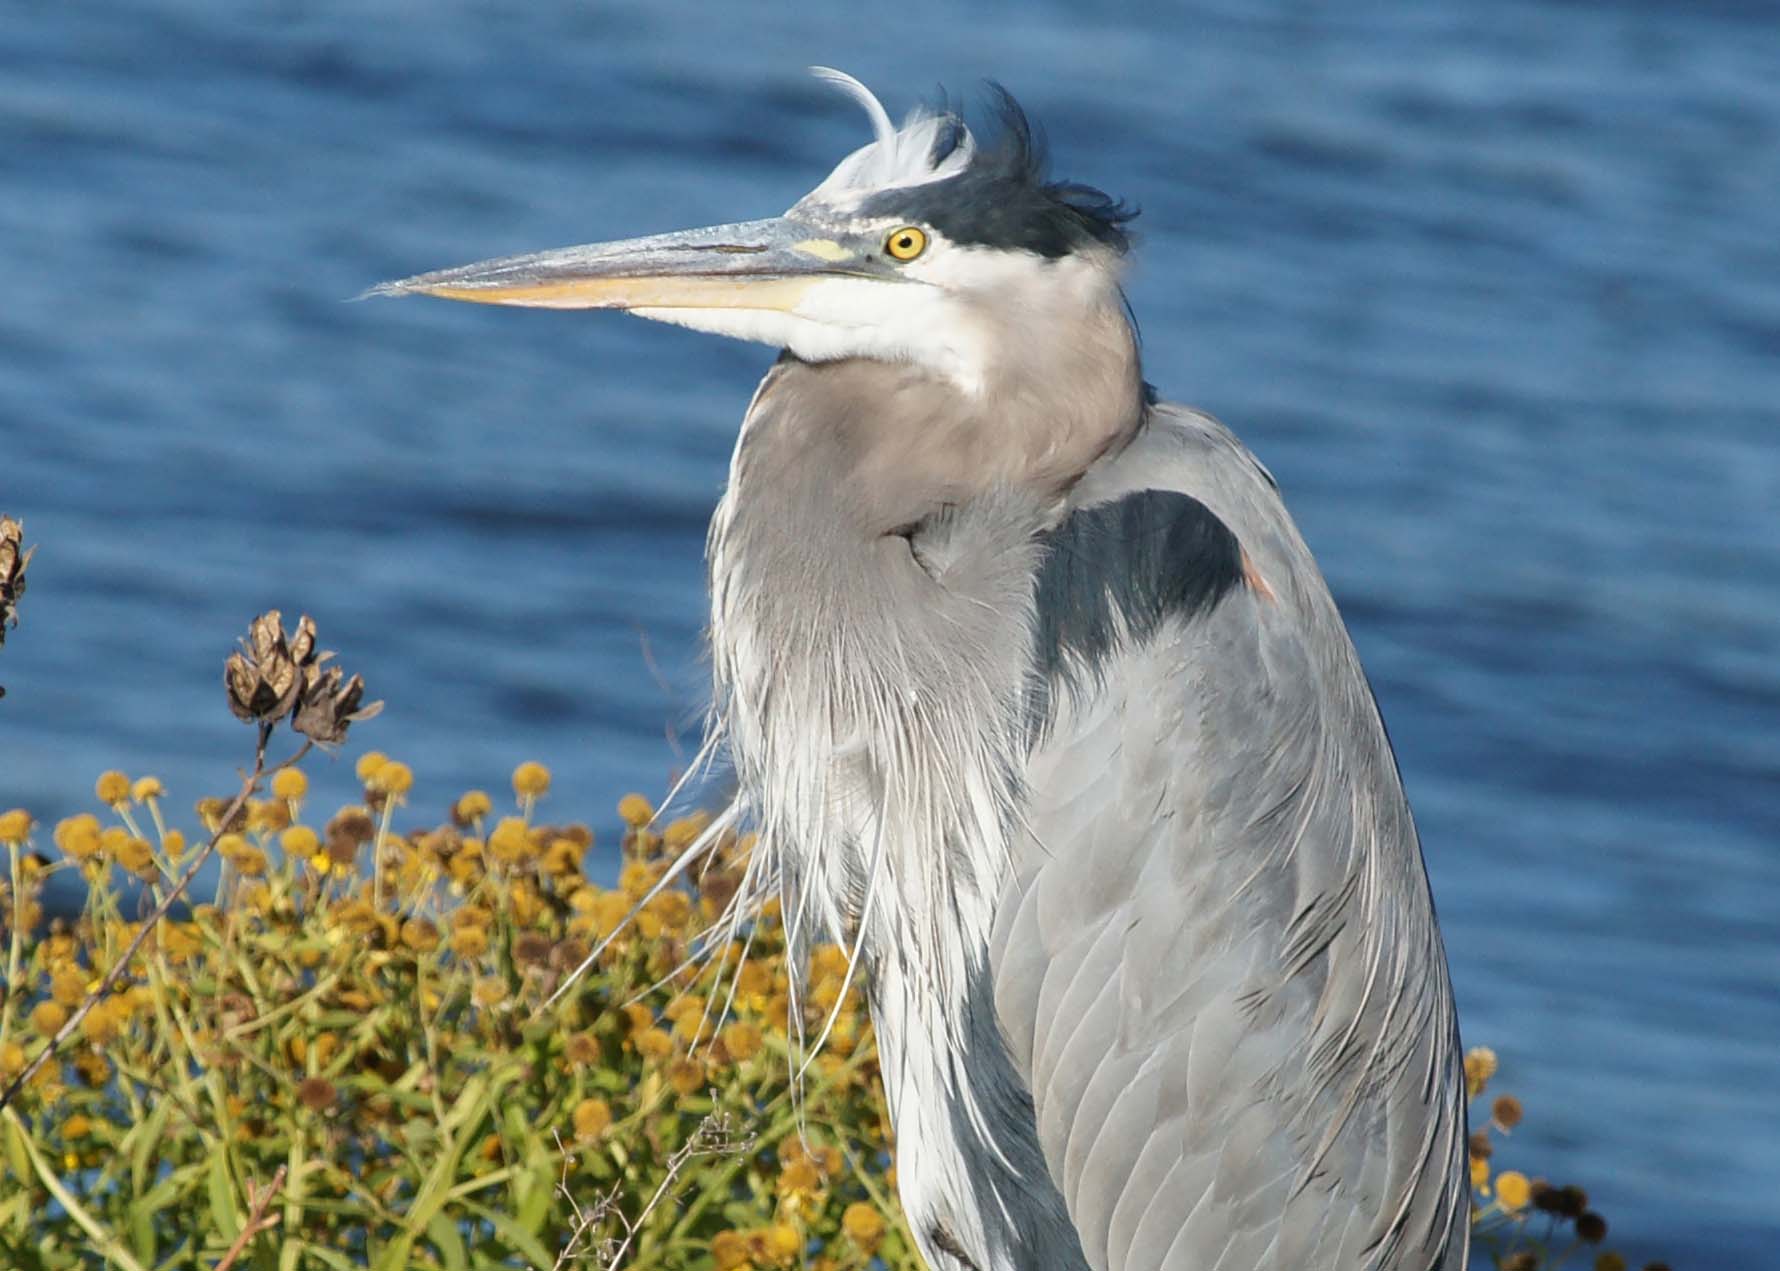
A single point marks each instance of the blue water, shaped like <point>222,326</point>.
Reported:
<point>1493,289</point>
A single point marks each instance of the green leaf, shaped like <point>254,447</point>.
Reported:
<point>527,1245</point>
<point>331,1257</point>
<point>442,1231</point>
<point>222,1197</point>
<point>17,1159</point>
<point>467,1112</point>
<point>144,1137</point>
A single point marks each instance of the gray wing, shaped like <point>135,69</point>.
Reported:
<point>1216,965</point>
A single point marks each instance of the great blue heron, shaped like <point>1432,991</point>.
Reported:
<point>1042,707</point>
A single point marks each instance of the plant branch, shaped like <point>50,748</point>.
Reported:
<point>257,1221</point>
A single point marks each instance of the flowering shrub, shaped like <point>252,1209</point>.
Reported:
<point>394,1056</point>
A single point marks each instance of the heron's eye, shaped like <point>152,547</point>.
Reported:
<point>906,243</point>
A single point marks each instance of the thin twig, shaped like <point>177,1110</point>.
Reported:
<point>119,967</point>
<point>711,1138</point>
<point>257,1221</point>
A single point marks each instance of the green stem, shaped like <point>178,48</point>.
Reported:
<point>12,986</point>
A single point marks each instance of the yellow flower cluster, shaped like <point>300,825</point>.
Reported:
<point>1503,1202</point>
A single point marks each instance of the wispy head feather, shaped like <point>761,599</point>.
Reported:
<point>932,170</point>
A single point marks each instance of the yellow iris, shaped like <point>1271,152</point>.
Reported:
<point>906,243</point>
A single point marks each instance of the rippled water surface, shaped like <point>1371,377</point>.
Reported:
<point>1493,289</point>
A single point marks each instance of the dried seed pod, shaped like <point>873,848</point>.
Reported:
<point>14,556</point>
<point>263,679</point>
<point>330,704</point>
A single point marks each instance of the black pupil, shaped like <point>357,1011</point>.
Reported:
<point>905,242</point>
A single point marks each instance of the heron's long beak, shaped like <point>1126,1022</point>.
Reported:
<point>765,264</point>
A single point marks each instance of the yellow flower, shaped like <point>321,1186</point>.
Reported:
<point>100,1025</point>
<point>741,1041</point>
<point>180,941</point>
<point>636,810</point>
<point>68,985</point>
<point>473,806</point>
<point>591,1117</point>
<point>469,942</point>
<point>1513,1189</point>
<point>471,916</point>
<point>15,826</point>
<point>299,841</point>
<point>1480,1174</point>
<point>267,816</point>
<point>1480,1066</point>
<point>681,833</point>
<point>173,843</point>
<point>355,917</point>
<point>609,910</point>
<point>290,784</point>
<point>673,908</point>
<point>368,764</point>
<point>511,841</point>
<point>799,1178</point>
<point>251,862</point>
<point>755,979</point>
<point>145,788</point>
<point>530,780</point>
<point>76,1127</point>
<point>864,1225</point>
<point>490,991</point>
<point>782,1242</point>
<point>12,1059</point>
<point>420,935</point>
<point>653,1043</point>
<point>136,855</point>
<point>321,862</point>
<point>112,788</point>
<point>47,1017</point>
<point>686,1076</point>
<point>562,858</point>
<point>729,1251</point>
<point>636,879</point>
<point>78,836</point>
<point>582,1050</point>
<point>392,778</point>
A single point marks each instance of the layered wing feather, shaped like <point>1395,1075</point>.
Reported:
<point>1216,963</point>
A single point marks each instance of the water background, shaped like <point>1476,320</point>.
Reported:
<point>1493,289</point>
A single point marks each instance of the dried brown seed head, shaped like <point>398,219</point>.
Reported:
<point>1506,1111</point>
<point>316,1093</point>
<point>330,704</point>
<point>14,556</point>
<point>263,680</point>
<point>531,949</point>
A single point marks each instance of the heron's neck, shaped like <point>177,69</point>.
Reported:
<point>871,577</point>
<point>872,702</point>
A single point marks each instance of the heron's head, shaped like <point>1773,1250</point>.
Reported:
<point>925,246</point>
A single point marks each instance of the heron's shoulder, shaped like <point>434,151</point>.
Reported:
<point>1184,450</point>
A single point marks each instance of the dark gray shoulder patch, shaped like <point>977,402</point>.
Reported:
<point>1130,564</point>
